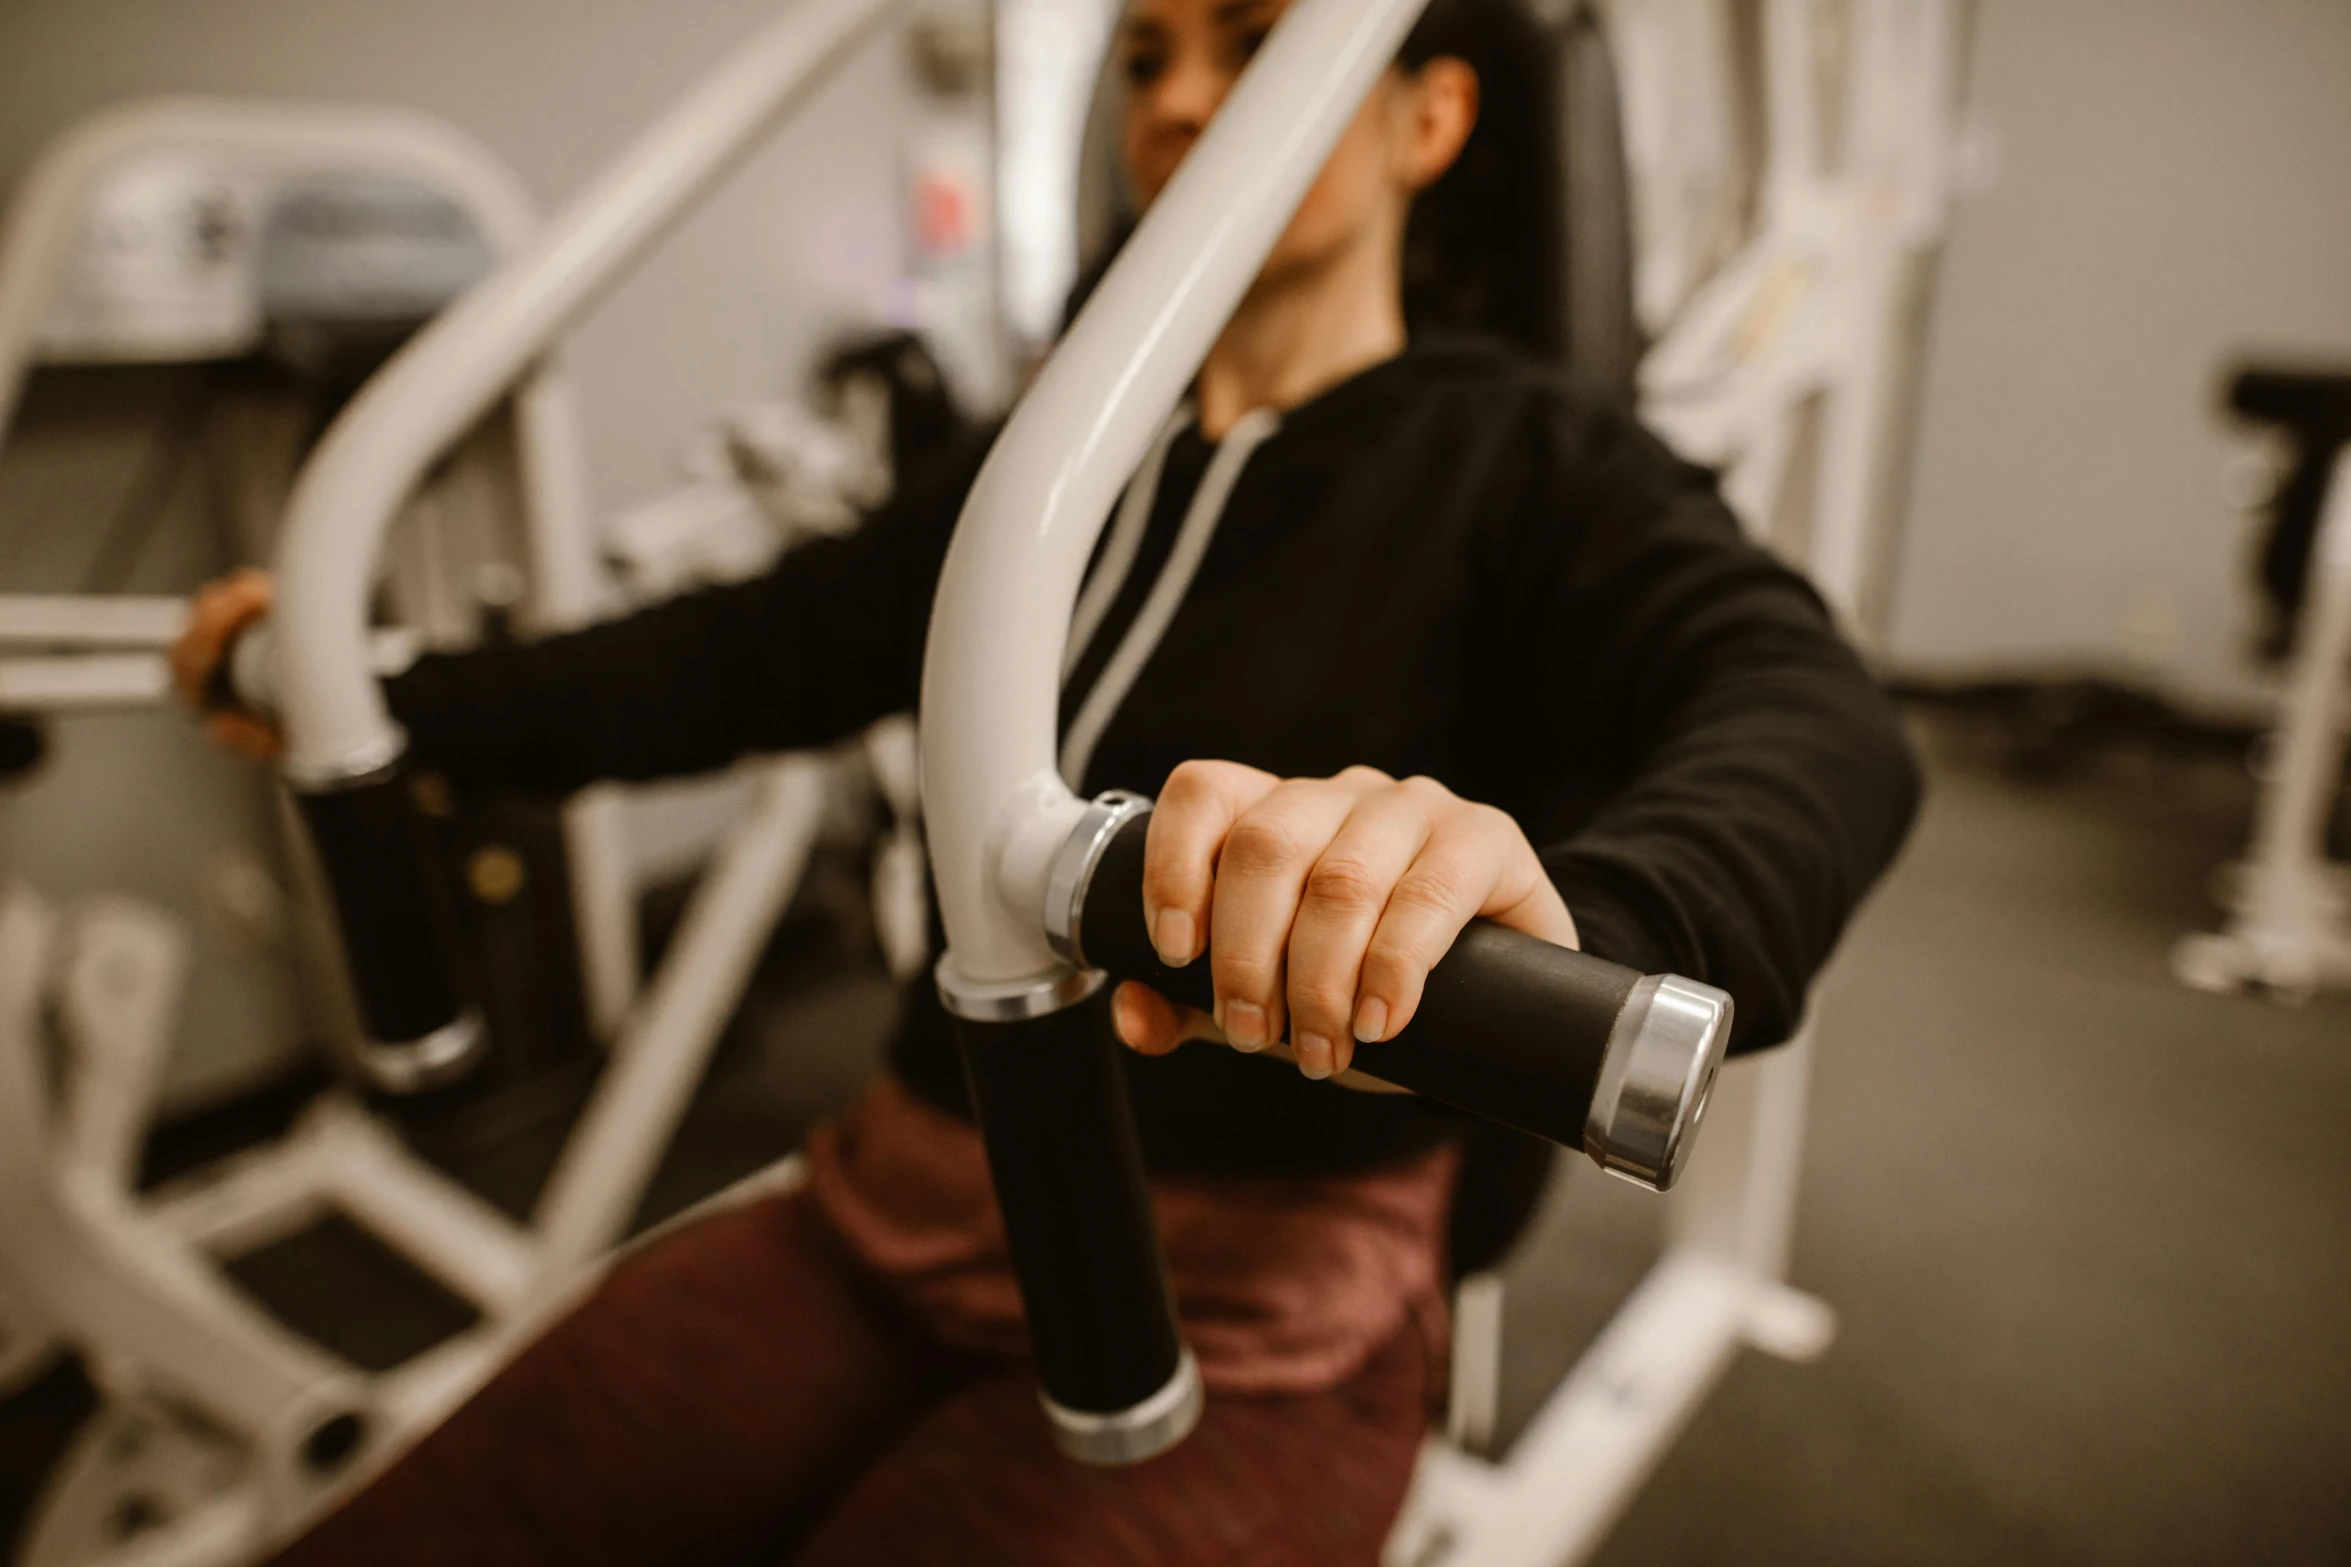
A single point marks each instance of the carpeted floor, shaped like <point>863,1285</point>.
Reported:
<point>2088,1233</point>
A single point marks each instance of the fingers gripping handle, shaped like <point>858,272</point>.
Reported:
<point>1562,1044</point>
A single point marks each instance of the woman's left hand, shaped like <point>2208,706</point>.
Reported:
<point>1324,903</point>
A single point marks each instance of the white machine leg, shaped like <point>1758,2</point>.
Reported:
<point>2291,932</point>
<point>140,1486</point>
<point>604,896</point>
<point>1718,1288</point>
<point>569,588</point>
<point>1475,1396</point>
<point>659,1059</point>
<point>901,874</point>
<point>1738,1198</point>
<point>120,992</point>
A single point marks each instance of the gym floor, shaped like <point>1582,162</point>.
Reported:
<point>2088,1234</point>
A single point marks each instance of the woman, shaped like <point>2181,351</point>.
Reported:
<point>1459,643</point>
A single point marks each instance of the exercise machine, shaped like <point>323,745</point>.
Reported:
<point>2289,931</point>
<point>220,1430</point>
<point>1036,884</point>
<point>1562,1044</point>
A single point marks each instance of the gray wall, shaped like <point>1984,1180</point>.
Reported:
<point>2172,191</point>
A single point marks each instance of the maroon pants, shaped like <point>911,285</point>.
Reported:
<point>740,1393</point>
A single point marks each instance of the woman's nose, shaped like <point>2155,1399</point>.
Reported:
<point>1187,94</point>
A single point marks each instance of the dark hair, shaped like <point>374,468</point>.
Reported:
<point>1484,247</point>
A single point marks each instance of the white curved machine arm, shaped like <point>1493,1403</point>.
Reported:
<point>994,803</point>
<point>450,373</point>
<point>342,747</point>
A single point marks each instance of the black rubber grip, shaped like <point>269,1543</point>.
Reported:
<point>373,846</point>
<point>1510,1027</point>
<point>1051,1096</point>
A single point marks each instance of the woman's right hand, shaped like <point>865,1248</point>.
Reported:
<point>219,610</point>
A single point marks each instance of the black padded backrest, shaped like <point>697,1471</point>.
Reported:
<point>1603,347</point>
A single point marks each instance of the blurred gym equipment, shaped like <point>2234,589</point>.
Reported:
<point>221,1429</point>
<point>2289,900</point>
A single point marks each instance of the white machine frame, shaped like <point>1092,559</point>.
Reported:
<point>2289,931</point>
<point>996,807</point>
<point>212,1405</point>
<point>1791,367</point>
<point>1806,325</point>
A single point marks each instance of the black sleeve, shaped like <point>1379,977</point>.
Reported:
<point>1727,779</point>
<point>827,642</point>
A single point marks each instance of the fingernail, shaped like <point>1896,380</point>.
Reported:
<point>1173,935</point>
<point>1244,1025</point>
<point>1314,1055</point>
<point>1371,1020</point>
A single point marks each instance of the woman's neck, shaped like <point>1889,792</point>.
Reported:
<point>1294,338</point>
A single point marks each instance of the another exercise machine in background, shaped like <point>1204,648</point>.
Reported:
<point>219,1428</point>
<point>2289,901</point>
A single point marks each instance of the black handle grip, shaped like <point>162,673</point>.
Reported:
<point>1051,1097</point>
<point>1510,1027</point>
<point>373,848</point>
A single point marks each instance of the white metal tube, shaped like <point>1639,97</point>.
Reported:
<point>82,620</point>
<point>82,681</point>
<point>992,801</point>
<point>443,380</point>
<point>1585,1455</point>
<point>455,1235</point>
<point>657,1061</point>
<point>568,589</point>
<point>2290,832</point>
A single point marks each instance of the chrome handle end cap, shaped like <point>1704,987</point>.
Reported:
<point>1656,1075</point>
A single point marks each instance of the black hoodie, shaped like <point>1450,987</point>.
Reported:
<point>1449,564</point>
